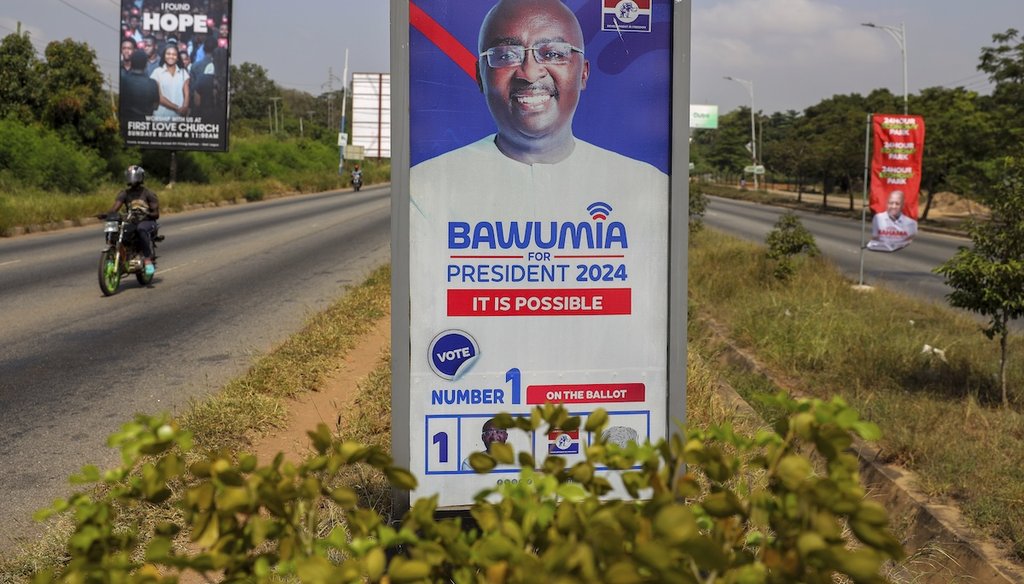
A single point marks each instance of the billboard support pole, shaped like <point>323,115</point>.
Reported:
<point>400,337</point>
<point>864,200</point>
<point>679,193</point>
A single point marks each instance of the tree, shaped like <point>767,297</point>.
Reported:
<point>724,149</point>
<point>834,129</point>
<point>960,136</point>
<point>989,277</point>
<point>1004,64</point>
<point>251,90</point>
<point>73,99</point>
<point>19,77</point>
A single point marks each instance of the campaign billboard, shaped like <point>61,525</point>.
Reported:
<point>174,59</point>
<point>371,113</point>
<point>540,160</point>
<point>898,149</point>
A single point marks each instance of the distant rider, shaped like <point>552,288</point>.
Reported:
<point>138,197</point>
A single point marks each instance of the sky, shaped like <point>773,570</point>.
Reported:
<point>795,52</point>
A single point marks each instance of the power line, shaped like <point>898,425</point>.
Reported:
<point>969,79</point>
<point>87,15</point>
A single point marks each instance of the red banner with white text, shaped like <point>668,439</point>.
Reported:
<point>896,161</point>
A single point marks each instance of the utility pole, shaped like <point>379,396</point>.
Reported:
<point>331,78</point>
<point>277,122</point>
<point>341,130</point>
<point>753,129</point>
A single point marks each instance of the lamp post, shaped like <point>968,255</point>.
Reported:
<point>753,132</point>
<point>900,34</point>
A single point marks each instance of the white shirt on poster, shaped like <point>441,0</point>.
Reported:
<point>172,87</point>
<point>888,234</point>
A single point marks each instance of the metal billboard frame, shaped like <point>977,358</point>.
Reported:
<point>678,232</point>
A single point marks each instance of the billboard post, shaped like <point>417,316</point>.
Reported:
<point>163,104</point>
<point>539,227</point>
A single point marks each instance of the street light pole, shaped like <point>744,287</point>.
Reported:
<point>900,34</point>
<point>753,131</point>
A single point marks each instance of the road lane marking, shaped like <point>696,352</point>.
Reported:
<point>208,223</point>
<point>9,263</point>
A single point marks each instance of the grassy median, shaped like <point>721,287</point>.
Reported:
<point>940,411</point>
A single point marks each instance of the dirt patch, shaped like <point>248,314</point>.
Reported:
<point>329,403</point>
<point>951,205</point>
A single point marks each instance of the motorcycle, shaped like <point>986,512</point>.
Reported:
<point>123,253</point>
<point>357,180</point>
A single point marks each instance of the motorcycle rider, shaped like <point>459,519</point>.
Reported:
<point>357,176</point>
<point>138,197</point>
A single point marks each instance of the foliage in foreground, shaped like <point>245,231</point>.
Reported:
<point>718,507</point>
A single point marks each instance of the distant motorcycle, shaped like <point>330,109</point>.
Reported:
<point>357,180</point>
<point>123,253</point>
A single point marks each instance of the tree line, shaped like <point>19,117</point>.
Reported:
<point>968,134</point>
<point>58,117</point>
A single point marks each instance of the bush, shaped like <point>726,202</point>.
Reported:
<point>719,507</point>
<point>787,240</point>
<point>698,204</point>
<point>33,156</point>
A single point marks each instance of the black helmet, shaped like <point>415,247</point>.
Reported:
<point>134,176</point>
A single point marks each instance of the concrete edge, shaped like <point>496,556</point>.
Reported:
<point>935,532</point>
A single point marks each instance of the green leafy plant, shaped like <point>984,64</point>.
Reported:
<point>787,240</point>
<point>988,278</point>
<point>698,205</point>
<point>712,506</point>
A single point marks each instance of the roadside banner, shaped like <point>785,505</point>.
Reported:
<point>898,148</point>
<point>174,59</point>
<point>538,227</point>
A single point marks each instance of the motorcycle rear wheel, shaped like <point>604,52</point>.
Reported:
<point>143,279</point>
<point>109,273</point>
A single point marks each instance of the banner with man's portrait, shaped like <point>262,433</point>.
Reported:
<point>540,138</point>
<point>174,59</point>
<point>898,141</point>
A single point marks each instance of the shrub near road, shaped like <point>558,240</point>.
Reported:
<point>940,414</point>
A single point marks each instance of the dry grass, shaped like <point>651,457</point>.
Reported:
<point>940,418</point>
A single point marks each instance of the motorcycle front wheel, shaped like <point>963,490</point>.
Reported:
<point>109,273</point>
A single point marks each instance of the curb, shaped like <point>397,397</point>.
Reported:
<point>954,551</point>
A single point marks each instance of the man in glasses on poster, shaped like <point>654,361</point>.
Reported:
<point>532,70</point>
<point>548,249</point>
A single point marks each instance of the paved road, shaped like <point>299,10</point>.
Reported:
<point>232,282</point>
<point>839,238</point>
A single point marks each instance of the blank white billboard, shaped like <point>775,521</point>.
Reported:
<point>371,113</point>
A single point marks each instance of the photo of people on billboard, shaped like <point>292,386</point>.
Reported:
<point>539,186</point>
<point>174,59</point>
